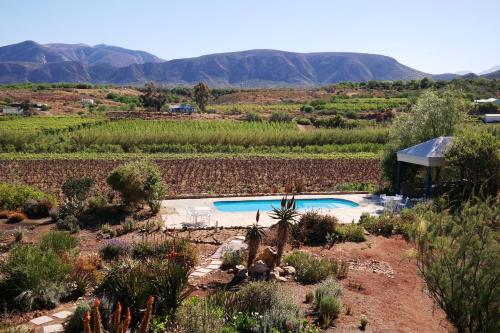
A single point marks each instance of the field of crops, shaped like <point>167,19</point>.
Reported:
<point>60,135</point>
<point>206,175</point>
<point>338,104</point>
<point>45,124</point>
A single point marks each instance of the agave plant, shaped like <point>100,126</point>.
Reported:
<point>286,215</point>
<point>253,238</point>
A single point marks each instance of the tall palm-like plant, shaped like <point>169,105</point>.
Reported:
<point>253,238</point>
<point>286,216</point>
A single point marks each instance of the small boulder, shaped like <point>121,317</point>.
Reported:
<point>289,270</point>
<point>268,256</point>
<point>259,267</point>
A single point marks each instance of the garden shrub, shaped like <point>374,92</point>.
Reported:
<point>276,309</point>
<point>138,182</point>
<point>329,309</point>
<point>231,259</point>
<point>327,287</point>
<point>458,256</point>
<point>199,315</point>
<point>68,223</point>
<point>311,270</point>
<point>307,108</point>
<point>18,235</point>
<point>33,278</point>
<point>313,228</point>
<point>350,233</point>
<point>389,224</point>
<point>115,248</point>
<point>97,201</point>
<point>179,250</point>
<point>36,209</point>
<point>74,323</point>
<point>131,282</point>
<point>61,242</point>
<point>85,273</point>
<point>13,196</point>
<point>16,217</point>
<point>355,186</point>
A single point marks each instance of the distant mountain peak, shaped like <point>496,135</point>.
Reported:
<point>29,61</point>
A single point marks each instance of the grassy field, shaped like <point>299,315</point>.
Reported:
<point>46,124</point>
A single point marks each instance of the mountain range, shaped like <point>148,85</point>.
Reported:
<point>29,61</point>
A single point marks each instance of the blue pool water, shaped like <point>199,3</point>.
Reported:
<point>267,205</point>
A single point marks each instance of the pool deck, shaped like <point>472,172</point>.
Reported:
<point>173,212</point>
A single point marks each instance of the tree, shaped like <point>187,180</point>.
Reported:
<point>433,115</point>
<point>458,258</point>
<point>474,156</point>
<point>138,182</point>
<point>77,191</point>
<point>253,238</point>
<point>286,215</point>
<point>153,97</point>
<point>201,95</point>
<point>27,108</point>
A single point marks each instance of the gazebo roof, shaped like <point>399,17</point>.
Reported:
<point>428,153</point>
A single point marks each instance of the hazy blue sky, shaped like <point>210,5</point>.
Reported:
<point>430,35</point>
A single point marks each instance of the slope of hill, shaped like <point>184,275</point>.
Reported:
<point>32,62</point>
<point>32,52</point>
<point>492,75</point>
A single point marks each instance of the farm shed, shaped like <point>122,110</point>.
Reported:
<point>11,111</point>
<point>430,154</point>
<point>182,108</point>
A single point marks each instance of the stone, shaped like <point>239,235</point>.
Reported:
<point>259,267</point>
<point>268,256</point>
<point>289,270</point>
<point>274,276</point>
<point>213,266</point>
<point>53,328</point>
<point>239,267</point>
<point>62,314</point>
<point>279,270</point>
<point>41,320</point>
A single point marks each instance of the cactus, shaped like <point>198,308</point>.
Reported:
<point>117,325</point>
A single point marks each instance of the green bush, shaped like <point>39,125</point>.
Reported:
<point>313,228</point>
<point>458,256</point>
<point>280,116</point>
<point>329,309</point>
<point>253,116</point>
<point>328,287</point>
<point>307,108</point>
<point>350,233</point>
<point>231,259</point>
<point>138,182</point>
<point>388,224</point>
<point>181,251</point>
<point>130,282</point>
<point>74,323</point>
<point>97,202</point>
<point>303,121</point>
<point>68,223</point>
<point>311,270</point>
<point>33,278</point>
<point>272,302</point>
<point>474,157</point>
<point>61,242</point>
<point>115,248</point>
<point>197,315</point>
<point>13,196</point>
<point>355,186</point>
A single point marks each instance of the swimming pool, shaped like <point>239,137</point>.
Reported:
<point>266,205</point>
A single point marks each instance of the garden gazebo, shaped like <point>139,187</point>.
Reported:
<point>429,154</point>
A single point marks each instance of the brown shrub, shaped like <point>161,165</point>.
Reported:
<point>16,217</point>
